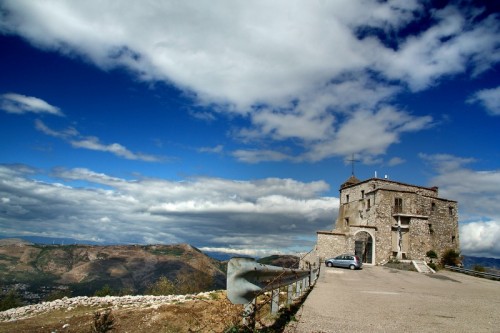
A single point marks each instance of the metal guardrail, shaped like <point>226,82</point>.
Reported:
<point>473,272</point>
<point>247,279</point>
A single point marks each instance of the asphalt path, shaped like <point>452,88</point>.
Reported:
<point>379,299</point>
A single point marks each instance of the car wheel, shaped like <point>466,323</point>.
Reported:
<point>352,267</point>
<point>329,264</point>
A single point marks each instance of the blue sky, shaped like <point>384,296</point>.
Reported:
<point>227,125</point>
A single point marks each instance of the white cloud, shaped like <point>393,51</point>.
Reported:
<point>215,150</point>
<point>256,156</point>
<point>478,194</point>
<point>481,238</point>
<point>395,161</point>
<point>299,71</point>
<point>369,133</point>
<point>72,136</point>
<point>489,99</point>
<point>17,103</point>
<point>251,216</point>
<point>449,47</point>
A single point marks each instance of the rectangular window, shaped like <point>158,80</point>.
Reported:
<point>398,205</point>
<point>346,221</point>
<point>433,207</point>
<point>362,194</point>
<point>369,204</point>
<point>450,209</point>
<point>347,198</point>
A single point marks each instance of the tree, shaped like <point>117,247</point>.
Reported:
<point>162,286</point>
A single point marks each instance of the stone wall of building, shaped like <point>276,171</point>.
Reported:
<point>444,226</point>
<point>330,244</point>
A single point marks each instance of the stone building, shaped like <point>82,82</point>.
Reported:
<point>380,219</point>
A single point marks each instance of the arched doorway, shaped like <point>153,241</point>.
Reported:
<point>363,246</point>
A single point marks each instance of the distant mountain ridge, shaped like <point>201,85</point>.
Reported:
<point>492,263</point>
<point>83,269</point>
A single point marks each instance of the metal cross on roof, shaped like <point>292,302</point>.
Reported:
<point>352,160</point>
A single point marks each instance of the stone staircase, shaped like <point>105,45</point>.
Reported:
<point>422,267</point>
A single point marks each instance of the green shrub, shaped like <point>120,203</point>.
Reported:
<point>479,268</point>
<point>431,254</point>
<point>162,287</point>
<point>57,294</point>
<point>103,322</point>
<point>450,257</point>
<point>104,291</point>
<point>10,300</point>
<point>433,266</point>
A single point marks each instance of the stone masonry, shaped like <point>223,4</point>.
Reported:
<point>381,219</point>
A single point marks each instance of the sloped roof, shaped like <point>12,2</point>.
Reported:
<point>351,181</point>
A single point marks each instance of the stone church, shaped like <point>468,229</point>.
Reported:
<point>381,219</point>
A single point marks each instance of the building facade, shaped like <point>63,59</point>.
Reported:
<point>380,219</point>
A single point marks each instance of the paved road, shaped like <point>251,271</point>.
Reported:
<point>379,299</point>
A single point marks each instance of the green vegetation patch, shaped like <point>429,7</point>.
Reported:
<point>166,251</point>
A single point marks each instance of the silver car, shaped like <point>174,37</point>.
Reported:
<point>350,261</point>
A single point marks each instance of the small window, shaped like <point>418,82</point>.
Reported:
<point>433,207</point>
<point>431,231</point>
<point>450,210</point>
<point>398,205</point>
<point>453,239</point>
<point>347,198</point>
<point>368,204</point>
<point>362,194</point>
<point>346,221</point>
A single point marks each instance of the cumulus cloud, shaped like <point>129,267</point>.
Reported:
<point>481,238</point>
<point>301,72</point>
<point>17,103</point>
<point>489,99</point>
<point>477,193</point>
<point>252,217</point>
<point>72,136</point>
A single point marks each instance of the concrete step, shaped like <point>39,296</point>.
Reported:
<point>422,267</point>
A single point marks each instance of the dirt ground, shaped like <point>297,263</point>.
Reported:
<point>214,315</point>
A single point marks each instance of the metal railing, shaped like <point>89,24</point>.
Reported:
<point>473,272</point>
<point>247,279</point>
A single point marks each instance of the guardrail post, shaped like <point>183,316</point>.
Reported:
<point>298,290</point>
<point>289,294</point>
<point>249,315</point>
<point>275,300</point>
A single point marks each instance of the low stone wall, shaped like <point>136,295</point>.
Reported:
<point>113,302</point>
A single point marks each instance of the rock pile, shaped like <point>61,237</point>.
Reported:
<point>113,302</point>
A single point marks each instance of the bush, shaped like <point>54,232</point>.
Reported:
<point>57,294</point>
<point>10,300</point>
<point>451,258</point>
<point>103,322</point>
<point>433,266</point>
<point>431,254</point>
<point>104,291</point>
<point>162,287</point>
<point>479,268</point>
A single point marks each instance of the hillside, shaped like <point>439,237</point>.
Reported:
<point>490,264</point>
<point>36,271</point>
<point>286,261</point>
